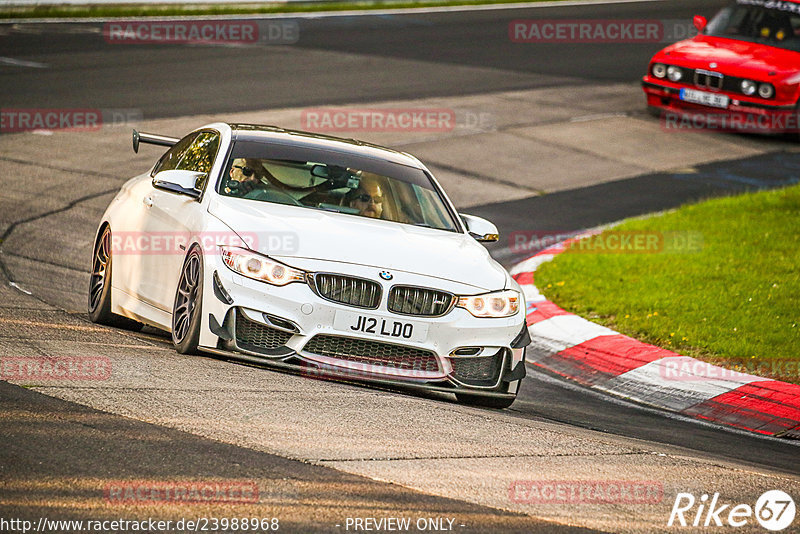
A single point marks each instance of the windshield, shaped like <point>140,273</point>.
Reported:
<point>408,199</point>
<point>770,22</point>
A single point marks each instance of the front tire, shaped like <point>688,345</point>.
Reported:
<point>99,304</point>
<point>187,310</point>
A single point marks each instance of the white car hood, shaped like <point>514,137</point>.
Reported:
<point>289,232</point>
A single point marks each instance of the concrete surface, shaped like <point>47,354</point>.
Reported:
<point>421,442</point>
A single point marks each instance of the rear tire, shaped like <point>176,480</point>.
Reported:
<point>99,304</point>
<point>187,310</point>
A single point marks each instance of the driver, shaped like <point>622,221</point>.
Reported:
<point>246,174</point>
<point>367,198</point>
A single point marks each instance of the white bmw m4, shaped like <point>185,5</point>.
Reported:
<point>328,256</point>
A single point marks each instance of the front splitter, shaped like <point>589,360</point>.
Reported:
<point>343,376</point>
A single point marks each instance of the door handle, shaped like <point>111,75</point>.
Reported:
<point>148,201</point>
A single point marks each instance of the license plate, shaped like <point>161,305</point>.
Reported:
<point>702,97</point>
<point>391,329</point>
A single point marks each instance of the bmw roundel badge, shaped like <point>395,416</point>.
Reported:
<point>386,275</point>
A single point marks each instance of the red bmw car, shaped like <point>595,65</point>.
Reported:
<point>741,72</point>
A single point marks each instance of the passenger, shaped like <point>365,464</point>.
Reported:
<point>246,174</point>
<point>367,198</point>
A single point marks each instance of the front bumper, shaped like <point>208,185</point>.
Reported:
<point>740,116</point>
<point>291,327</point>
<point>340,375</point>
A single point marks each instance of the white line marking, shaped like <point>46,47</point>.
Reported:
<point>531,264</point>
<point>16,286</point>
<point>22,63</point>
<point>597,117</point>
<point>532,293</point>
<point>564,331</point>
<point>353,13</point>
<point>629,403</point>
<point>676,383</point>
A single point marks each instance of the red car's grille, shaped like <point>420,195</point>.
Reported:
<point>709,79</point>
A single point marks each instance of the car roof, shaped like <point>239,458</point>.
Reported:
<point>314,141</point>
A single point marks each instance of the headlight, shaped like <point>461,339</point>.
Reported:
<point>258,267</point>
<point>497,304</point>
<point>659,70</point>
<point>674,73</point>
<point>765,90</point>
<point>748,87</point>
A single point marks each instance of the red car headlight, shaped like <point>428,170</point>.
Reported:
<point>766,90</point>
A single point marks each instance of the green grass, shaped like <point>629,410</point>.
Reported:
<point>170,10</point>
<point>735,302</point>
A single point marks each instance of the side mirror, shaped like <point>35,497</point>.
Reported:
<point>699,22</point>
<point>481,229</point>
<point>181,182</point>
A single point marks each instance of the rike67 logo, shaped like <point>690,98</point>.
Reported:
<point>774,510</point>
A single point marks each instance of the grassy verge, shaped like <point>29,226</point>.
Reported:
<point>171,10</point>
<point>732,299</point>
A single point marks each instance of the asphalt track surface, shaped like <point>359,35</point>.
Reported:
<point>118,448</point>
<point>397,57</point>
<point>464,53</point>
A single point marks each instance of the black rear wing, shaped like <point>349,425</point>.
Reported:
<point>153,139</point>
